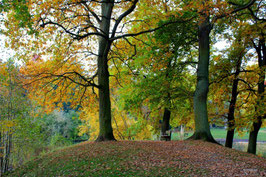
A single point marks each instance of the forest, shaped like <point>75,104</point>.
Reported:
<point>131,71</point>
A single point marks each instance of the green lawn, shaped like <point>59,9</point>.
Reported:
<point>221,134</point>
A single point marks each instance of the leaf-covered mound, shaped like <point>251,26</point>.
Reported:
<point>145,158</point>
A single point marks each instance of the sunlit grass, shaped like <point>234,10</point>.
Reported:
<point>221,134</point>
<point>241,146</point>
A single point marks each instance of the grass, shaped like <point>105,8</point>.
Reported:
<point>143,158</point>
<point>261,148</point>
<point>221,134</point>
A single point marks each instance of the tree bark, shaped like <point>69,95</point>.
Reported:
<point>8,151</point>
<point>252,142</point>
<point>202,128</point>
<point>1,153</point>
<point>167,113</point>
<point>166,121</point>
<point>231,116</point>
<point>106,130</point>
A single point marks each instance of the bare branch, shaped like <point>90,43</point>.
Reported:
<point>89,81</point>
<point>92,12</point>
<point>250,3</point>
<point>149,30</point>
<point>76,36</point>
<point>120,18</point>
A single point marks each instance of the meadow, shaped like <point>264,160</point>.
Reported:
<point>240,139</point>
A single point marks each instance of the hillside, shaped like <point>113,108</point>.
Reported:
<point>145,158</point>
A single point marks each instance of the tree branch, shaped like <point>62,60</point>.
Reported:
<point>93,13</point>
<point>149,30</point>
<point>76,36</point>
<point>250,3</point>
<point>120,18</point>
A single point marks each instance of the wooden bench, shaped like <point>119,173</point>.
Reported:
<point>166,136</point>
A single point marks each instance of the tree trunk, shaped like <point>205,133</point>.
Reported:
<point>8,150</point>
<point>166,121</point>
<point>182,132</point>
<point>231,116</point>
<point>202,128</point>
<point>1,153</point>
<point>106,130</point>
<point>252,142</point>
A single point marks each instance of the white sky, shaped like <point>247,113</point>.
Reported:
<point>221,45</point>
<point>5,53</point>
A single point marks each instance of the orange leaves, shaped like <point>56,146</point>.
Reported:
<point>90,121</point>
<point>7,124</point>
<point>49,81</point>
<point>217,58</point>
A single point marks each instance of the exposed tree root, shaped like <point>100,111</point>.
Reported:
<point>203,136</point>
<point>102,138</point>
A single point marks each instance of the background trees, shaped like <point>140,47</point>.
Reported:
<point>259,107</point>
<point>160,74</point>
<point>26,131</point>
<point>14,117</point>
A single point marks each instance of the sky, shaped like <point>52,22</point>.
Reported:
<point>5,53</point>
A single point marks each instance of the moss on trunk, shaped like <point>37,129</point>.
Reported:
<point>202,128</point>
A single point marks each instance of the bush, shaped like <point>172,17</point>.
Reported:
<point>58,140</point>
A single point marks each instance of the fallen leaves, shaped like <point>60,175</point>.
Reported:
<point>147,158</point>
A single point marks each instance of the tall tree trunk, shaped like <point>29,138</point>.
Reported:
<point>231,116</point>
<point>202,128</point>
<point>167,113</point>
<point>252,142</point>
<point>166,121</point>
<point>106,130</point>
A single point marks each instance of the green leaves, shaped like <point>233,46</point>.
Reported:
<point>20,12</point>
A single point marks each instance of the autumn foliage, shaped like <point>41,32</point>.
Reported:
<point>134,70</point>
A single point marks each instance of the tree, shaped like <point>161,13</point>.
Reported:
<point>162,72</point>
<point>226,77</point>
<point>236,53</point>
<point>259,44</point>
<point>253,32</point>
<point>181,45</point>
<point>206,23</point>
<point>79,22</point>
<point>13,107</point>
<point>8,98</point>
